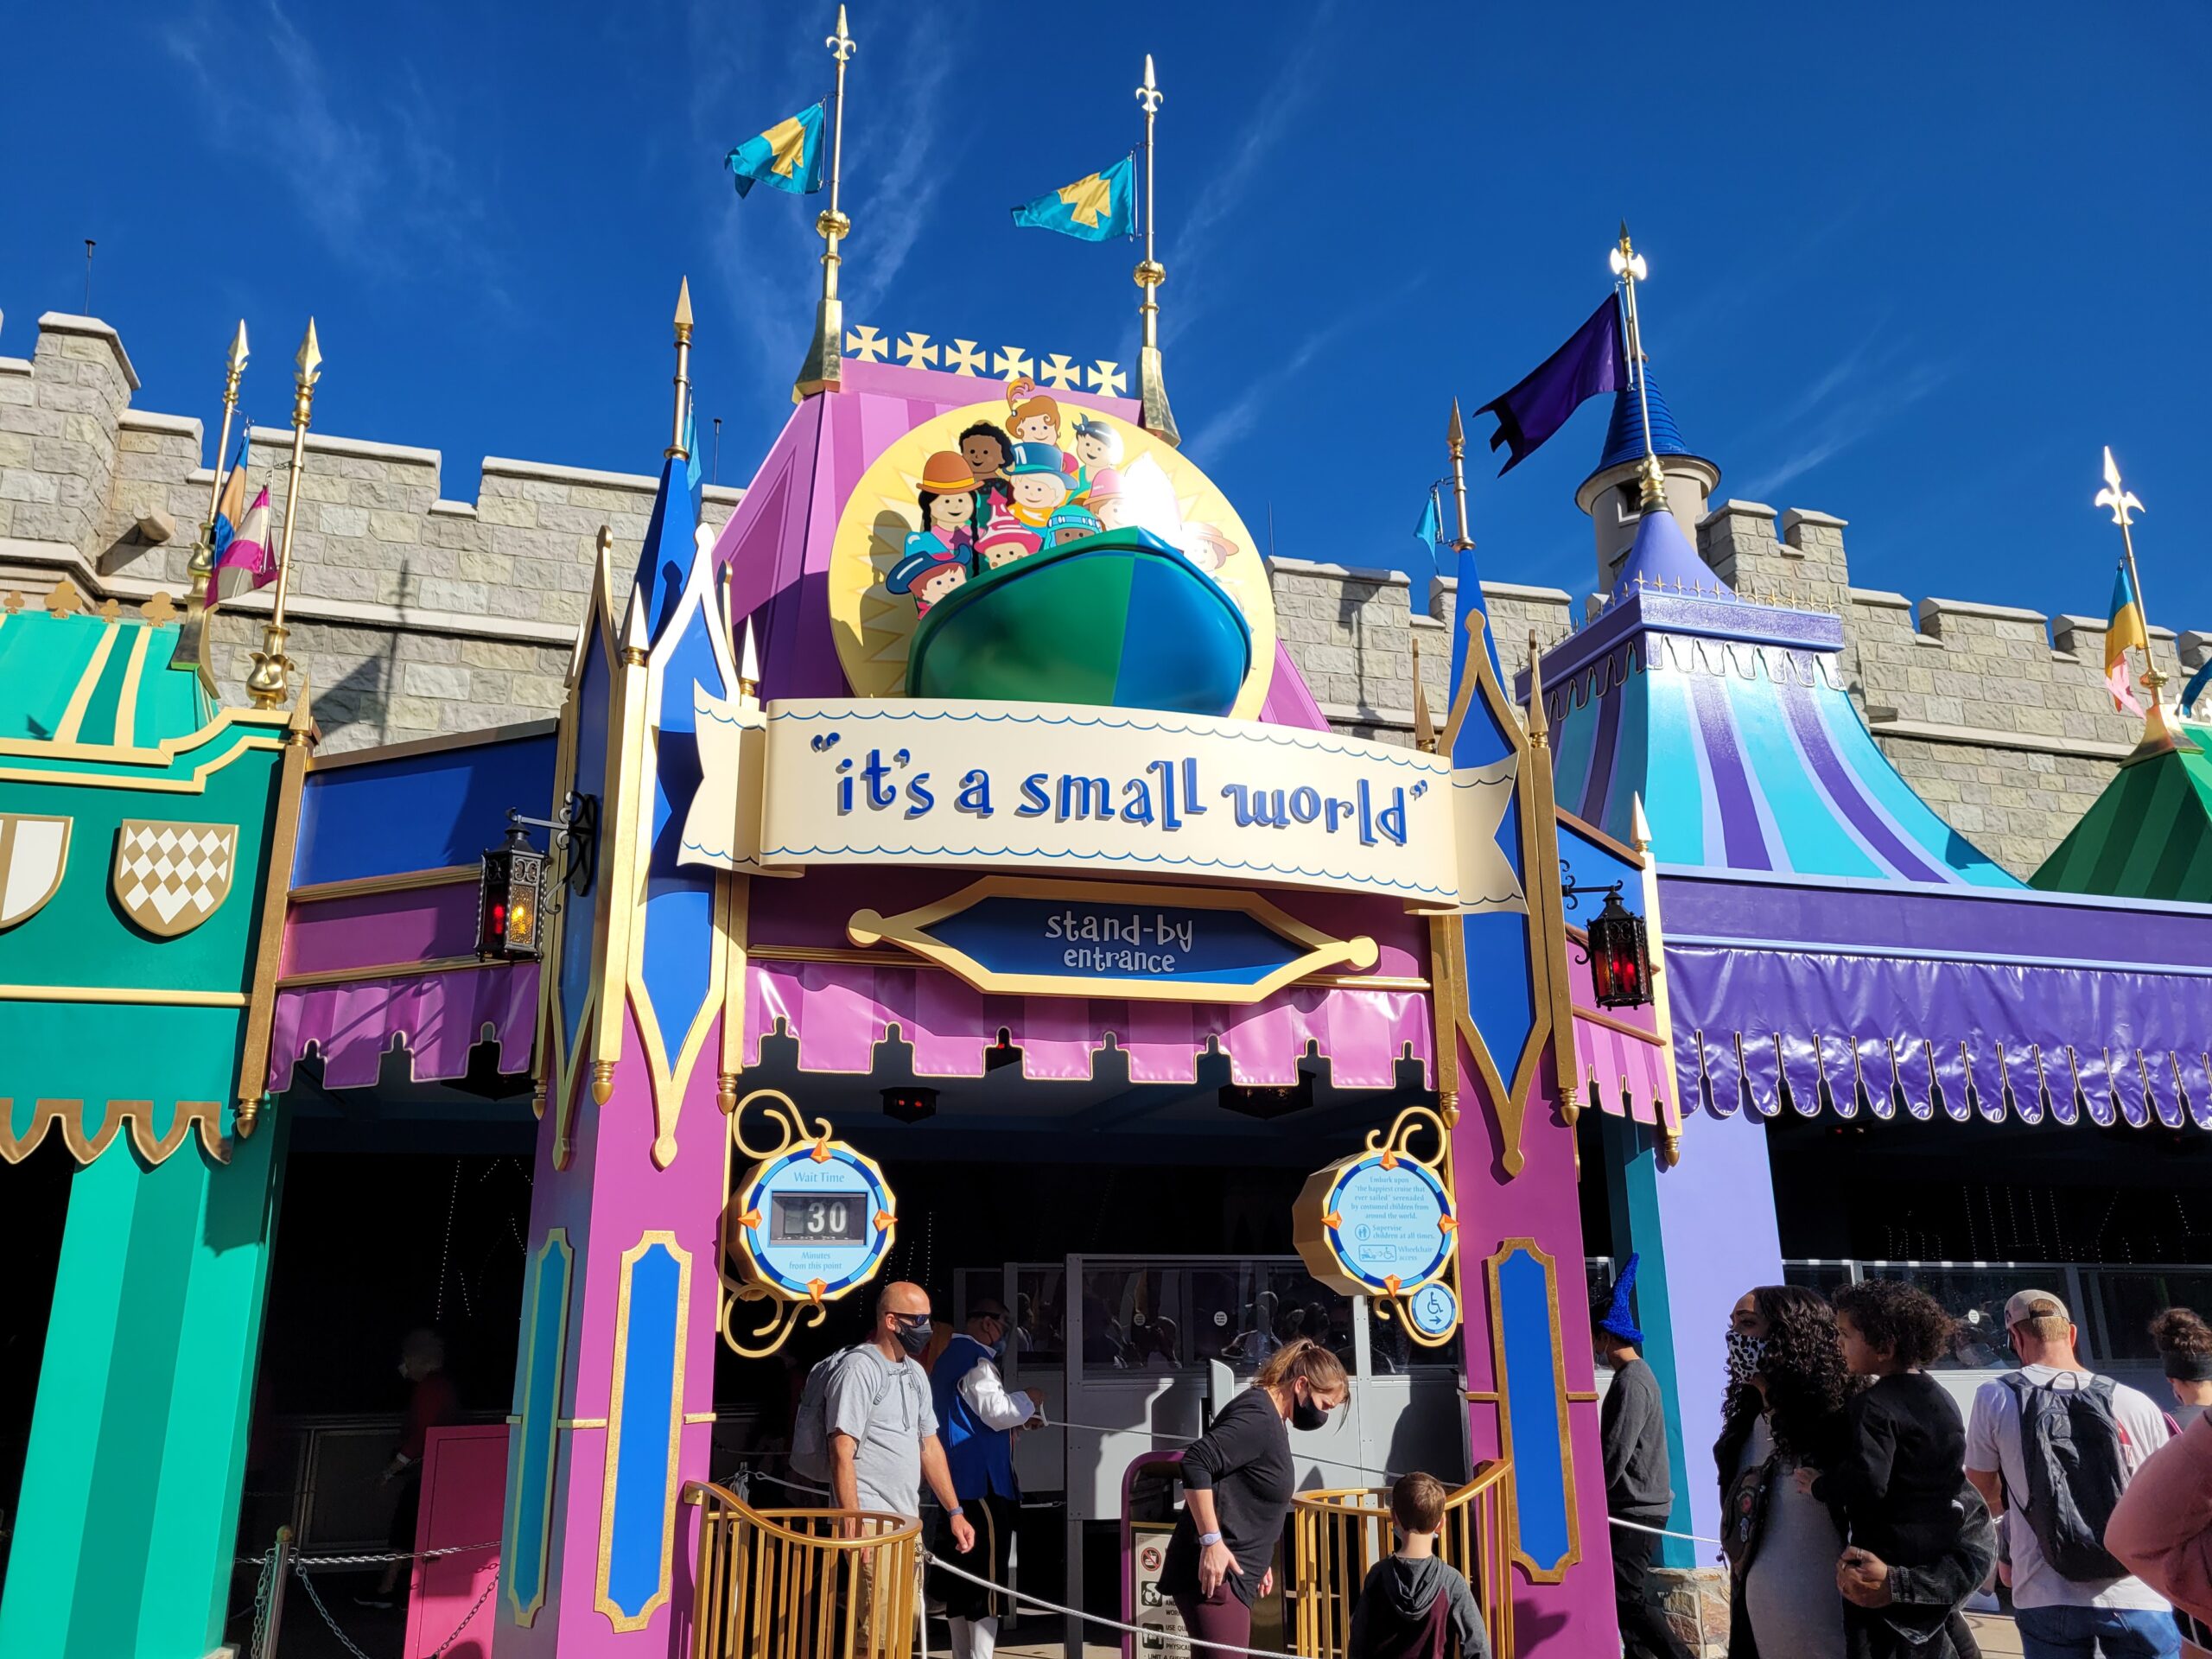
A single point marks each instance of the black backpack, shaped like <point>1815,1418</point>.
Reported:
<point>2070,1445</point>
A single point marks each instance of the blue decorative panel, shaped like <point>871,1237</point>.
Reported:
<point>532,1446</point>
<point>418,811</point>
<point>645,1418</point>
<point>1532,1402</point>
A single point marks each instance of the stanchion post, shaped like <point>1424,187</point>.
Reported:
<point>280,1573</point>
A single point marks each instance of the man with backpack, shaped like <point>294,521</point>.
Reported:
<point>868,1429</point>
<point>2050,1446</point>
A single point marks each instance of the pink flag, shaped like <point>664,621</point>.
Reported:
<point>249,549</point>
<point>2122,695</point>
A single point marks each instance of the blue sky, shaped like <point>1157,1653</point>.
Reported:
<point>1911,265</point>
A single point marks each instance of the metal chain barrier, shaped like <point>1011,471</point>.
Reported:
<point>1043,1605</point>
<point>279,1566</point>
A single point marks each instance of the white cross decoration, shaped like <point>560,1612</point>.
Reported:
<point>915,350</point>
<point>1107,378</point>
<point>962,357</point>
<point>1010,362</point>
<point>866,344</point>
<point>1063,374</point>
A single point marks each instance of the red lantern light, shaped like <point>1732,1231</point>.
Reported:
<point>1620,956</point>
<point>509,907</point>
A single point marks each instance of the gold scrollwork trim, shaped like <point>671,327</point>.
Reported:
<point>909,930</point>
<point>68,1116</point>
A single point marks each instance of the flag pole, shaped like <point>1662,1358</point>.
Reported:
<point>265,684</point>
<point>676,447</point>
<point>2158,734</point>
<point>823,370</point>
<point>1455,436</point>
<point>1152,386</point>
<point>202,567</point>
<point>1629,265</point>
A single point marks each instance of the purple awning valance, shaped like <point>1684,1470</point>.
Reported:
<point>1807,1030</point>
<point>839,1012</point>
<point>435,1018</point>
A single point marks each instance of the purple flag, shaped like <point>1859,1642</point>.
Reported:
<point>1588,364</point>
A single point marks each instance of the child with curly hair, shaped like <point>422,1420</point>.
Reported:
<point>1896,1485</point>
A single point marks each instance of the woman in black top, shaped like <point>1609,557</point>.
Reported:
<point>1238,1483</point>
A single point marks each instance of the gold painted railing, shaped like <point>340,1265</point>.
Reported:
<point>791,1584</point>
<point>1337,1535</point>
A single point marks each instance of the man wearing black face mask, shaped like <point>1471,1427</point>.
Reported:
<point>980,1413</point>
<point>882,1427</point>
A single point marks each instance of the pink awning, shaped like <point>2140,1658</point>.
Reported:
<point>1623,1062</point>
<point>839,1012</point>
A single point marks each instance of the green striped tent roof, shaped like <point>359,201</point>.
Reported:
<point>85,678</point>
<point>2149,835</point>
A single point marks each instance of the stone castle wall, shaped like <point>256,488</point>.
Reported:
<point>418,614</point>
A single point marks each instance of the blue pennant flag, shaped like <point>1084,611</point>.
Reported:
<point>787,156</point>
<point>1096,209</point>
<point>691,468</point>
<point>1428,564</point>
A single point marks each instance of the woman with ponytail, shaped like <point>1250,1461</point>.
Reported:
<point>1237,1483</point>
<point>2162,1527</point>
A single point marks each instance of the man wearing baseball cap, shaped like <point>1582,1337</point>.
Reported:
<point>2049,1446</point>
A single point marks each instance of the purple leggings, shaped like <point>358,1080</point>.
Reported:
<point>1225,1619</point>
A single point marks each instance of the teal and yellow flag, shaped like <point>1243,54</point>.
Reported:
<point>788,155</point>
<point>2125,632</point>
<point>1097,209</point>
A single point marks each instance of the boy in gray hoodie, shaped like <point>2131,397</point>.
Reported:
<point>1413,1606</point>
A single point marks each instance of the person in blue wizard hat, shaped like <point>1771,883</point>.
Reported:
<point>1639,1490</point>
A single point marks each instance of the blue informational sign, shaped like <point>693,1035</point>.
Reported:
<point>1389,1222</point>
<point>815,1221</point>
<point>1052,937</point>
<point>1434,1309</point>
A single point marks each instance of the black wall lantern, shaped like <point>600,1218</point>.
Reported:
<point>517,890</point>
<point>511,900</point>
<point>1620,951</point>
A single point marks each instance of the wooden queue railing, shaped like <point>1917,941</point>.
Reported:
<point>801,1584</point>
<point>1338,1535</point>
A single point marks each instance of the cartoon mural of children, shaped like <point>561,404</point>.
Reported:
<point>1071,523</point>
<point>1034,417</point>
<point>1005,540</point>
<point>928,579</point>
<point>989,453</point>
<point>1098,456</point>
<point>948,500</point>
<point>1039,482</point>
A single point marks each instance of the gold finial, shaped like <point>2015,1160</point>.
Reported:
<point>749,666</point>
<point>202,567</point>
<point>1455,437</point>
<point>1629,269</point>
<point>2159,736</point>
<point>266,682</point>
<point>822,371</point>
<point>1153,414</point>
<point>676,446</point>
<point>1539,724</point>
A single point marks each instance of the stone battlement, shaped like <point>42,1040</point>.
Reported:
<point>418,613</point>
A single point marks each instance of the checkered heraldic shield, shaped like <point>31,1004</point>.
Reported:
<point>170,877</point>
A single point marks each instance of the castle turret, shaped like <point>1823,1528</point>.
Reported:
<point>1610,495</point>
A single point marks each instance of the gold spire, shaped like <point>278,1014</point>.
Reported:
<point>2158,735</point>
<point>1154,415</point>
<point>1630,268</point>
<point>265,683</point>
<point>823,368</point>
<point>1455,437</point>
<point>1424,727</point>
<point>201,567</point>
<point>676,445</point>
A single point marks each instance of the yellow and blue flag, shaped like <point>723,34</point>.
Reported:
<point>788,155</point>
<point>2125,631</point>
<point>1096,209</point>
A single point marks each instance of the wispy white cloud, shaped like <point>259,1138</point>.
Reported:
<point>1865,391</point>
<point>1279,106</point>
<point>1228,425</point>
<point>380,181</point>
